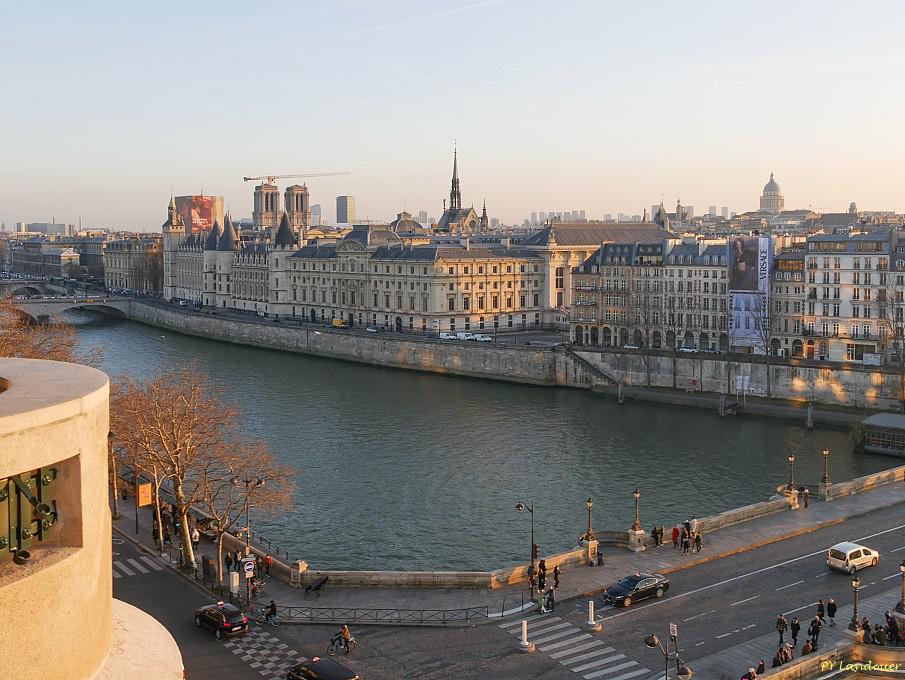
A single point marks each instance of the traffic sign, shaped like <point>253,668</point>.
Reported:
<point>249,566</point>
<point>673,630</point>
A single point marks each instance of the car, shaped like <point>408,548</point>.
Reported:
<point>630,347</point>
<point>464,335</point>
<point>183,303</point>
<point>223,618</point>
<point>482,337</point>
<point>687,349</point>
<point>634,588</point>
<point>339,323</point>
<point>447,336</point>
<point>850,557</point>
<point>319,668</point>
<point>371,329</point>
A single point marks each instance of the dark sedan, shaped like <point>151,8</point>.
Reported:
<point>224,619</point>
<point>319,668</point>
<point>634,588</point>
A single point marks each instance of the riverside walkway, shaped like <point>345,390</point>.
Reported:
<point>577,581</point>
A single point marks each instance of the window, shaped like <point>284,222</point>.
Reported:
<point>466,303</point>
<point>495,300</point>
<point>560,274</point>
<point>452,270</point>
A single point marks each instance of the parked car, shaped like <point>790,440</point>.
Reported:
<point>339,323</point>
<point>222,618</point>
<point>464,335</point>
<point>183,303</point>
<point>850,557</point>
<point>634,588</point>
<point>371,329</point>
<point>630,347</point>
<point>482,337</point>
<point>319,668</point>
<point>447,336</point>
<point>688,349</point>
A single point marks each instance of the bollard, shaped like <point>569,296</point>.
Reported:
<point>523,644</point>
<point>592,624</point>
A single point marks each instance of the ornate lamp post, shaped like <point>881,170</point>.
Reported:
<point>683,672</point>
<point>856,586</point>
<point>250,482</point>
<point>590,534</point>
<point>791,460</point>
<point>901,606</point>
<point>521,507</point>
<point>636,525</point>
<point>826,470</point>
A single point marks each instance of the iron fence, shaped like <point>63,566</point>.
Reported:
<point>396,617</point>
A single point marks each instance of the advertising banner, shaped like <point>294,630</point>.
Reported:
<point>196,212</point>
<point>750,263</point>
<point>144,495</point>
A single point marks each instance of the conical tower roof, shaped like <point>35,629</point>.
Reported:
<point>229,240</point>
<point>284,235</point>
<point>211,242</point>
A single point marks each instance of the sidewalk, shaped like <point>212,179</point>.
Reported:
<point>576,581</point>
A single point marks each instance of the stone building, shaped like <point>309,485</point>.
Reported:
<point>772,199</point>
<point>134,264</point>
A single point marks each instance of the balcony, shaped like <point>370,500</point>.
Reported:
<point>586,303</point>
<point>591,288</point>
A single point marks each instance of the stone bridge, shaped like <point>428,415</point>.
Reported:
<point>18,287</point>
<point>42,309</point>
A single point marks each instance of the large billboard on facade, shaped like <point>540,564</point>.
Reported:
<point>750,261</point>
<point>196,212</point>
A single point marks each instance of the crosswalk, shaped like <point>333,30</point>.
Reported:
<point>136,566</point>
<point>264,652</point>
<point>580,652</point>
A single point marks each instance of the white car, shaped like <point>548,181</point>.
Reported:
<point>464,335</point>
<point>447,336</point>
<point>687,349</point>
<point>482,337</point>
<point>850,557</point>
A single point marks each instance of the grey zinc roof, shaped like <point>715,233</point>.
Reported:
<point>213,236</point>
<point>595,233</point>
<point>284,235</point>
<point>229,240</point>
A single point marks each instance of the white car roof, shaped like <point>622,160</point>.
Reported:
<point>846,546</point>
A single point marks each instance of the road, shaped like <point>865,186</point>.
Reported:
<point>716,606</point>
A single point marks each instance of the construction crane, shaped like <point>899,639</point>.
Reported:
<point>272,178</point>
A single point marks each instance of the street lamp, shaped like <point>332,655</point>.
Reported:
<point>683,672</point>
<point>636,525</point>
<point>791,460</point>
<point>250,483</point>
<point>826,470</point>
<point>521,507</point>
<point>110,438</point>
<point>589,504</point>
<point>901,605</point>
<point>856,586</point>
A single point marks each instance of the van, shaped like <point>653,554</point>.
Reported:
<point>447,336</point>
<point>851,557</point>
<point>339,323</point>
<point>482,337</point>
<point>464,335</point>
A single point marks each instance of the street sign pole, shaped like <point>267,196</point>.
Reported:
<point>248,566</point>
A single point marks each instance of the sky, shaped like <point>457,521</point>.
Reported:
<point>107,107</point>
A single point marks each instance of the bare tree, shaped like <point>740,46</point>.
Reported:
<point>672,322</point>
<point>891,319</point>
<point>22,337</point>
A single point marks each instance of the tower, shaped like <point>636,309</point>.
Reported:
<point>772,200</point>
<point>227,245</point>
<point>266,214</point>
<point>209,266</point>
<point>298,209</point>
<point>284,244</point>
<point>484,223</point>
<point>455,194</point>
<point>345,209</point>
<point>173,235</point>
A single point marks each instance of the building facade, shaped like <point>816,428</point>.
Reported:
<point>345,210</point>
<point>772,199</point>
<point>134,264</point>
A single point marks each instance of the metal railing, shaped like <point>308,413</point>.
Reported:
<point>397,617</point>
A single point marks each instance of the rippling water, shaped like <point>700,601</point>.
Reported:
<point>400,470</point>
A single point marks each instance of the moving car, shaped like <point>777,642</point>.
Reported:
<point>222,618</point>
<point>850,557</point>
<point>464,335</point>
<point>371,329</point>
<point>447,336</point>
<point>688,349</point>
<point>319,668</point>
<point>634,588</point>
<point>482,337</point>
<point>630,347</point>
<point>339,323</point>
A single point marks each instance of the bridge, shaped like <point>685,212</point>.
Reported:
<point>41,309</point>
<point>17,287</point>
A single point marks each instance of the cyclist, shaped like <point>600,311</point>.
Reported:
<point>271,612</point>
<point>347,636</point>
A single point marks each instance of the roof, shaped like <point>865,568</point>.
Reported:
<point>596,233</point>
<point>892,420</point>
<point>371,235</point>
<point>284,235</point>
<point>213,236</point>
<point>229,240</point>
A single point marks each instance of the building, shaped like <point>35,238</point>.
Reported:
<point>200,212</point>
<point>134,264</point>
<point>42,257</point>
<point>56,551</point>
<point>456,219</point>
<point>345,210</point>
<point>316,215</point>
<point>772,199</point>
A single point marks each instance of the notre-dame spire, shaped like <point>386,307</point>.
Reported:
<point>455,195</point>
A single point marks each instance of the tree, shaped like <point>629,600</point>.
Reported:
<point>226,496</point>
<point>177,423</point>
<point>24,338</point>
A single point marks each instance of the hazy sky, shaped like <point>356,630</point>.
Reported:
<point>604,106</point>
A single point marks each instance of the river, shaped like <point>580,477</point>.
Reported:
<point>402,470</point>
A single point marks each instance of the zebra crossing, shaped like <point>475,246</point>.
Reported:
<point>136,566</point>
<point>264,652</point>
<point>580,652</point>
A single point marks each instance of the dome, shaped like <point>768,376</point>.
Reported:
<point>404,224</point>
<point>772,187</point>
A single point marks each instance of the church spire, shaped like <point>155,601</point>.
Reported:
<point>485,223</point>
<point>455,195</point>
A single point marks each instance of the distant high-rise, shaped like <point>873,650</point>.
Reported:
<point>724,212</point>
<point>689,210</point>
<point>712,211</point>
<point>534,218</point>
<point>582,215</point>
<point>345,209</point>
<point>422,218</point>
<point>316,214</point>
<point>772,200</point>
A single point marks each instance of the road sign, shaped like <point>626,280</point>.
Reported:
<point>249,565</point>
<point>144,495</point>
<point>673,630</point>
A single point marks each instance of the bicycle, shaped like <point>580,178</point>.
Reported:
<point>337,642</point>
<point>260,617</point>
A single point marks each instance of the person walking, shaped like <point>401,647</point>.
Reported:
<point>814,630</point>
<point>686,542</point>
<point>675,536</point>
<point>541,575</point>
<point>698,542</point>
<point>794,629</point>
<point>237,560</point>
<point>556,573</point>
<point>268,565</point>
<point>228,561</point>
<point>196,539</point>
<point>831,611</point>
<point>807,496</point>
<point>781,626</point>
<point>761,667</point>
<point>551,600</point>
<point>821,610</point>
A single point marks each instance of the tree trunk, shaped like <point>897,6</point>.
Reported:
<point>185,536</point>
<point>674,386</point>
<point>220,558</point>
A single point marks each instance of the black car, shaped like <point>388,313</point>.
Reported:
<point>318,668</point>
<point>224,619</point>
<point>636,587</point>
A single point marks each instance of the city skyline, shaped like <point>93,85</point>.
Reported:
<point>113,112</point>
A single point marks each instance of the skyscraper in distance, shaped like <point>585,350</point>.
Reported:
<point>345,209</point>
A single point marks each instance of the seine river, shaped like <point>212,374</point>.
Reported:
<point>400,470</point>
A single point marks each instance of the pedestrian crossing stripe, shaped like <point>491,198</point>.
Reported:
<point>131,565</point>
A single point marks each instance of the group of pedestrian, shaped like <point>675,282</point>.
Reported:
<point>786,651</point>
<point>657,534</point>
<point>804,497</point>
<point>688,536</point>
<point>546,600</point>
<point>892,633</point>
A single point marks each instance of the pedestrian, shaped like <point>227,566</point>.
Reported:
<point>879,635</point>
<point>556,573</point>
<point>795,628</point>
<point>166,536</point>
<point>531,576</point>
<point>814,630</point>
<point>694,525</point>
<point>831,611</point>
<point>268,565</point>
<point>808,648</point>
<point>541,575</point>
<point>821,610</point>
<point>551,600</point>
<point>237,560</point>
<point>777,660</point>
<point>893,626</point>
<point>675,536</point>
<point>761,667</point>
<point>750,675</point>
<point>698,542</point>
<point>807,496</point>
<point>662,533</point>
<point>228,561</point>
<point>688,526</point>
<point>686,543</point>
<point>781,626</point>
<point>196,538</point>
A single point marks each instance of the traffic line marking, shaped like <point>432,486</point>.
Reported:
<point>898,549</point>
<point>562,643</point>
<point>792,611</point>
<point>555,636</point>
<point>579,648</point>
<point>692,618</point>
<point>788,586</point>
<point>698,644</point>
<point>607,671</point>
<point>138,565</point>
<point>626,676</point>
<point>745,600</point>
<point>598,662</point>
<point>151,562</point>
<point>529,619</point>
<point>581,657</point>
<point>886,578</point>
<point>123,568</point>
<point>720,637</point>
